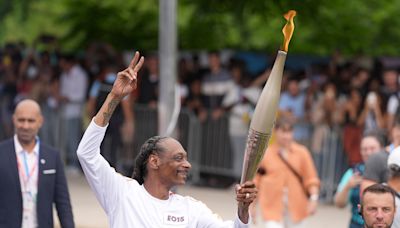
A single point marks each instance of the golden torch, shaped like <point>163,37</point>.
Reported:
<point>264,115</point>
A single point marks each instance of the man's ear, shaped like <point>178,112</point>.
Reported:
<point>40,120</point>
<point>360,210</point>
<point>153,161</point>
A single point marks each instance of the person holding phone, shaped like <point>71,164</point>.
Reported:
<point>371,116</point>
<point>349,187</point>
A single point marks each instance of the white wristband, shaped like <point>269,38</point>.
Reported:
<point>314,197</point>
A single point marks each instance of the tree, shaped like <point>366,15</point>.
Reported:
<point>322,26</point>
<point>125,24</point>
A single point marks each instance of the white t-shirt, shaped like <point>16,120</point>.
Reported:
<point>392,105</point>
<point>128,204</point>
<point>73,85</point>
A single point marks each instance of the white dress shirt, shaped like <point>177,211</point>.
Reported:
<point>128,204</point>
<point>28,169</point>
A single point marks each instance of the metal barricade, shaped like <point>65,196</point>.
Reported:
<point>216,156</point>
<point>146,123</point>
<point>208,145</point>
<point>333,163</point>
<point>189,133</point>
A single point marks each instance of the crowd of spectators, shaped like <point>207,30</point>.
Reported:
<point>347,95</point>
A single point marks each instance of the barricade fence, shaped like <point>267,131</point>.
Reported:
<point>208,145</point>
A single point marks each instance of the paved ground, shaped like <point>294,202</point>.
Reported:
<point>89,214</point>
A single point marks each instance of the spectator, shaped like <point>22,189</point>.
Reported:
<point>73,87</point>
<point>28,75</point>
<point>183,79</point>
<point>326,115</point>
<point>360,80</point>
<point>352,133</point>
<point>393,110</point>
<point>376,165</point>
<point>292,106</point>
<point>215,85</point>
<point>49,95</point>
<point>148,88</point>
<point>394,137</point>
<point>31,175</point>
<point>8,95</point>
<point>349,186</point>
<point>195,100</point>
<point>241,102</point>
<point>371,117</point>
<point>390,85</point>
<point>287,182</point>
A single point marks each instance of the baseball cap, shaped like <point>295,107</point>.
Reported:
<point>394,158</point>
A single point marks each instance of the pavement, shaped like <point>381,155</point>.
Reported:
<point>89,214</point>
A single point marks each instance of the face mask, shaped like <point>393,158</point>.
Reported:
<point>31,72</point>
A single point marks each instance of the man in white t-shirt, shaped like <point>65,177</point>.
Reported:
<point>147,200</point>
<point>392,110</point>
<point>73,87</point>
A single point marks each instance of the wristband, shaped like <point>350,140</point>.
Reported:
<point>314,197</point>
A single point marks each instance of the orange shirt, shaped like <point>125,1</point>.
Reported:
<point>279,177</point>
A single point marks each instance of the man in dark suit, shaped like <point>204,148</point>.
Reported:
<point>31,176</point>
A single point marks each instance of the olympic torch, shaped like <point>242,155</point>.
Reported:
<point>264,115</point>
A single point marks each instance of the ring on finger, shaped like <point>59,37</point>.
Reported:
<point>247,195</point>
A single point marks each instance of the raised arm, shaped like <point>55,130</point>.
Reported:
<point>102,178</point>
<point>346,184</point>
<point>125,83</point>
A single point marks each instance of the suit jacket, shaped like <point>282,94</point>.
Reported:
<point>52,188</point>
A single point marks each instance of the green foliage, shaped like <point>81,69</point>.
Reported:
<point>43,18</point>
<point>125,24</point>
<point>322,26</point>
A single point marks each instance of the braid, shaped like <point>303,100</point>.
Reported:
<point>149,147</point>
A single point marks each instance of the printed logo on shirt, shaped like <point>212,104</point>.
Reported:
<point>173,219</point>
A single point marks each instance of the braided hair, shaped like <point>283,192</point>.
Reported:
<point>151,146</point>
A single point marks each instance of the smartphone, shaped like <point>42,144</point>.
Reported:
<point>357,169</point>
<point>371,98</point>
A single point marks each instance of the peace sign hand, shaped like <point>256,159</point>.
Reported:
<point>126,80</point>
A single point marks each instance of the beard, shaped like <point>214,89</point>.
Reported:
<point>371,226</point>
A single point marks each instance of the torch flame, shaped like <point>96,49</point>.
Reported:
<point>288,28</point>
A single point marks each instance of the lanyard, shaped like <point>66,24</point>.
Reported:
<point>26,176</point>
<point>33,168</point>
